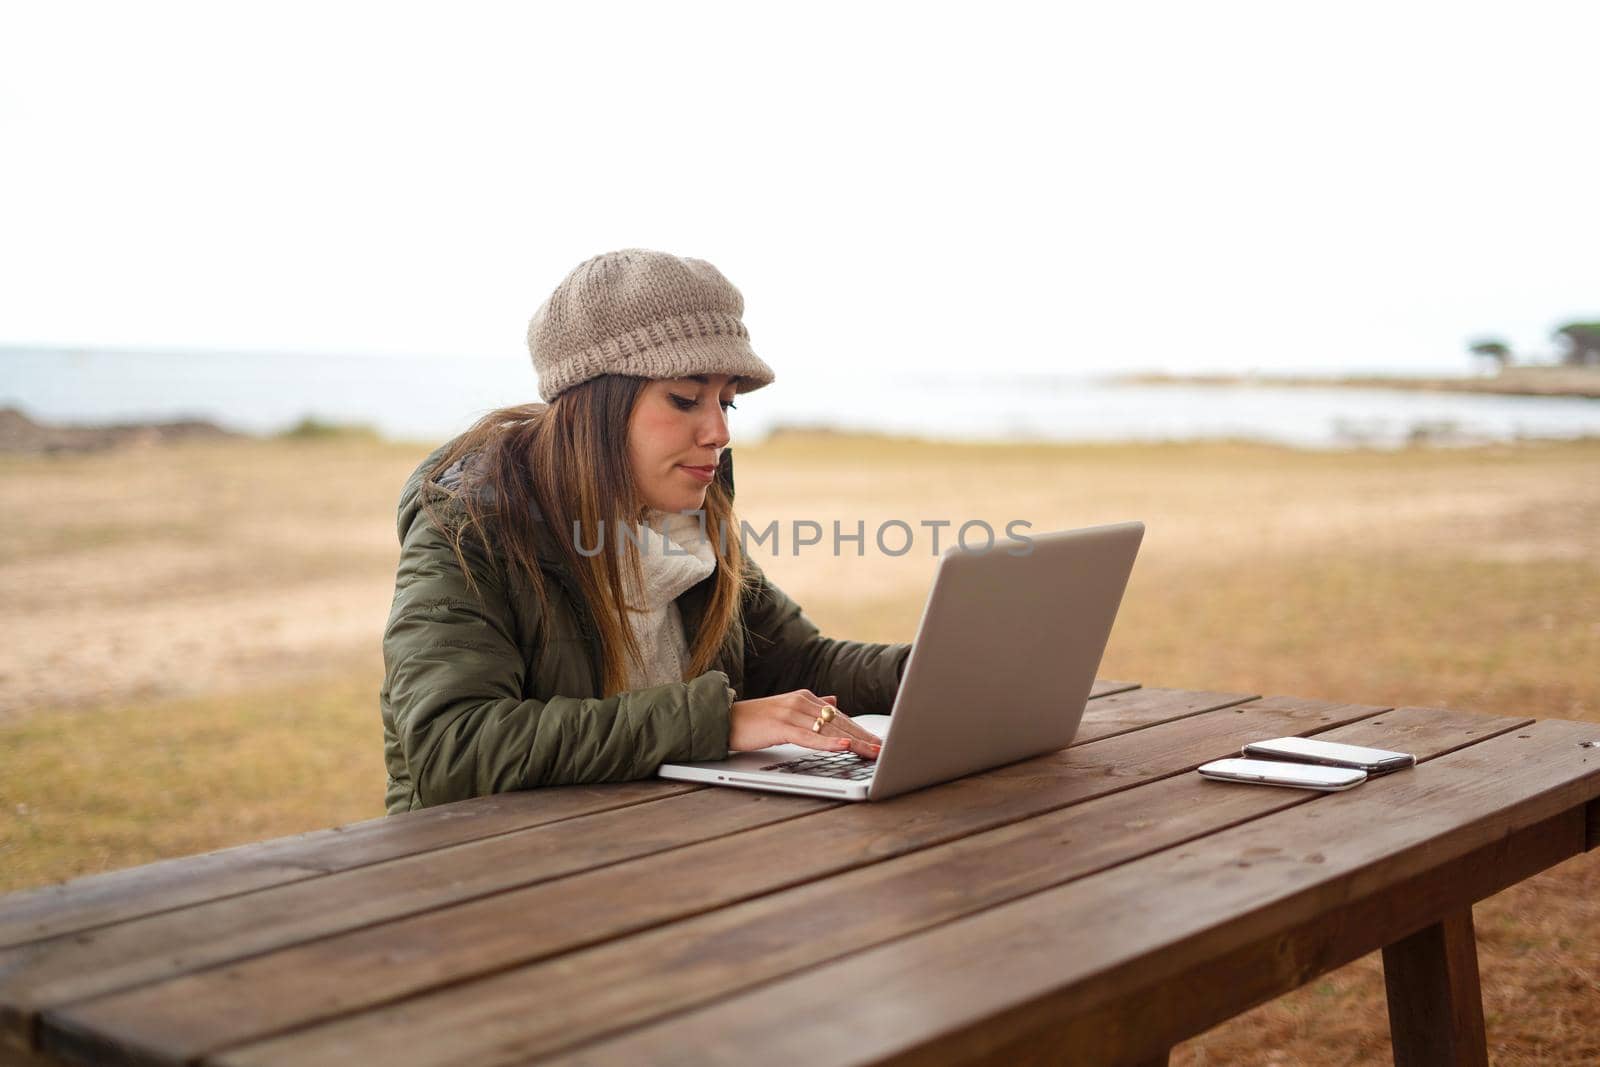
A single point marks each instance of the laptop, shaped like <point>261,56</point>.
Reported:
<point>1001,668</point>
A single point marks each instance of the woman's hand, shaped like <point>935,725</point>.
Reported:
<point>787,718</point>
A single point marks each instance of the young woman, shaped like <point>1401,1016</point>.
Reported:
<point>573,602</point>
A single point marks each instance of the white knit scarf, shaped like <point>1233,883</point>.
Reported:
<point>671,565</point>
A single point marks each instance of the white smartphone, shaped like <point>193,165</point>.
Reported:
<point>1293,775</point>
<point>1330,754</point>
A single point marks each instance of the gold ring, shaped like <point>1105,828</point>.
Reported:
<point>826,716</point>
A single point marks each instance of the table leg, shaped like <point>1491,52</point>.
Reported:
<point>1435,1006</point>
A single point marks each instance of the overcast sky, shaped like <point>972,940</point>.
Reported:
<point>917,188</point>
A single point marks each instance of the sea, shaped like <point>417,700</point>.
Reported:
<point>431,397</point>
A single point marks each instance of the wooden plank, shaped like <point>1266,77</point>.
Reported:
<point>154,947</point>
<point>1592,837</point>
<point>629,981</point>
<point>116,896</point>
<point>1121,713</point>
<point>565,914</point>
<point>1194,1000</point>
<point>1435,1004</point>
<point>1105,716</point>
<point>101,899</point>
<point>939,996</point>
<point>115,957</point>
<point>344,972</point>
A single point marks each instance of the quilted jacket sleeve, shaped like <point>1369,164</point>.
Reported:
<point>785,651</point>
<point>454,674</point>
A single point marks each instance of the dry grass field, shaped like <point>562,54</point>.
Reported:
<point>192,658</point>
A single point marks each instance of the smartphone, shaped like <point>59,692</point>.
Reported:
<point>1293,775</point>
<point>1330,754</point>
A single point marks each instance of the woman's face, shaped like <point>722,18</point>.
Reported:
<point>676,435</point>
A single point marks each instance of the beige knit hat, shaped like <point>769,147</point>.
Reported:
<point>646,314</point>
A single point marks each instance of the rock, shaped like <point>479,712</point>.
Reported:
<point>20,433</point>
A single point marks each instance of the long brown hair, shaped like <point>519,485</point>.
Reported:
<point>567,461</point>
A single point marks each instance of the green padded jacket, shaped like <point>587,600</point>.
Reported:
<point>470,705</point>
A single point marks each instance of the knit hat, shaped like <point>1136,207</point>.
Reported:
<point>642,313</point>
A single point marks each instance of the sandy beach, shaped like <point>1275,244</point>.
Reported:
<point>204,568</point>
<point>194,657</point>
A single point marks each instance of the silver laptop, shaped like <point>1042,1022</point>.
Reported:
<point>1001,669</point>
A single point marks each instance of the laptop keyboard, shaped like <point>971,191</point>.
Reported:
<point>828,765</point>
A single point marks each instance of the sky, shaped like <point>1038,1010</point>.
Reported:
<point>906,189</point>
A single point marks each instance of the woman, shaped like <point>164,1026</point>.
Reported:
<point>573,602</point>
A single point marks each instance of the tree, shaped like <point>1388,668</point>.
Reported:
<point>1491,348</point>
<point>1582,340</point>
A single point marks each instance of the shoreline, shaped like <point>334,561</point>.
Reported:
<point>1577,382</point>
<point>23,438</point>
<point>1397,412</point>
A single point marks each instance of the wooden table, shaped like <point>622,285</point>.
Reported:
<point>1095,905</point>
